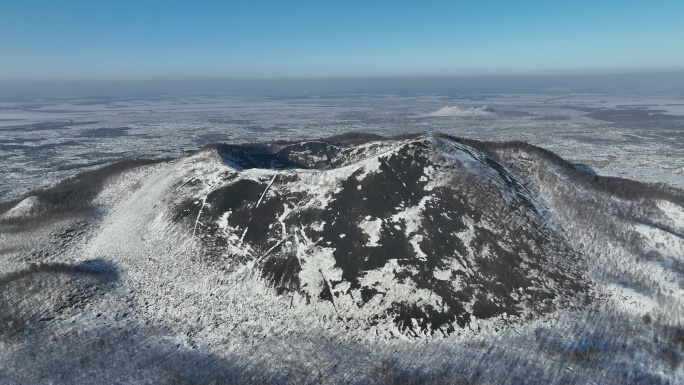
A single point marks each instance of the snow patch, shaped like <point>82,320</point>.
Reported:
<point>674,212</point>
<point>371,227</point>
<point>22,209</point>
<point>412,217</point>
<point>668,245</point>
<point>629,299</point>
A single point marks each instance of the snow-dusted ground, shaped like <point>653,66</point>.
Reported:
<point>43,140</point>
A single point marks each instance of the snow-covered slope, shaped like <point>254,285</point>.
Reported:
<point>416,245</point>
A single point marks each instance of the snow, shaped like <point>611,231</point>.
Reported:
<point>318,267</point>
<point>412,218</point>
<point>667,244</point>
<point>442,275</point>
<point>459,111</point>
<point>266,189</point>
<point>674,212</point>
<point>22,209</point>
<point>371,227</point>
<point>630,300</point>
<point>199,214</point>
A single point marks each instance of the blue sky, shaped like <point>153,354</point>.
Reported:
<point>100,39</point>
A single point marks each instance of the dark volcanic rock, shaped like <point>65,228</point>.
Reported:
<point>425,234</point>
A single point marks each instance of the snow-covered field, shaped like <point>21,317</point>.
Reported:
<point>43,140</point>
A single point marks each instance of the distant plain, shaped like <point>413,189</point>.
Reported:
<point>633,133</point>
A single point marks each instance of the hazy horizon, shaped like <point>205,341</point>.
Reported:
<point>665,80</point>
